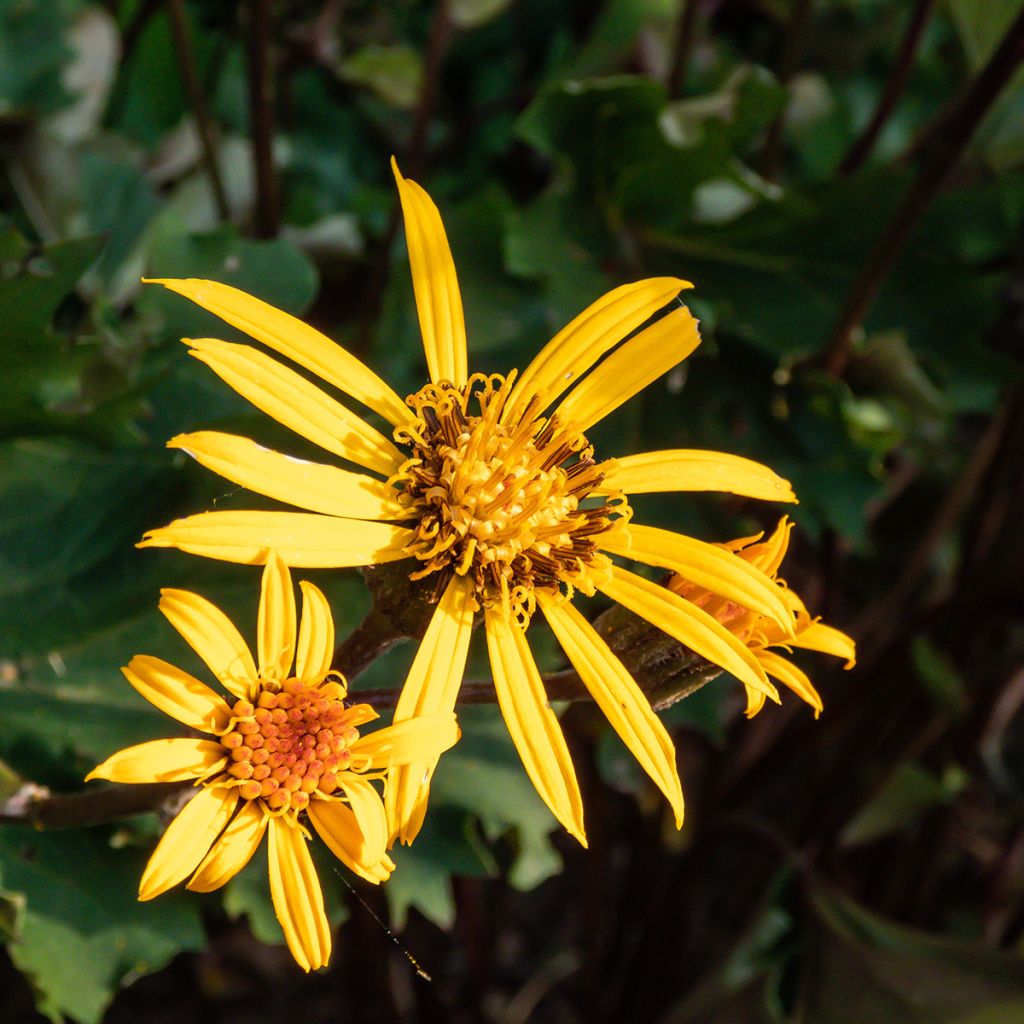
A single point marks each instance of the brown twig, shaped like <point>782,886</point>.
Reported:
<point>681,49</point>
<point>792,47</point>
<point>956,131</point>
<point>204,123</point>
<point>862,146</point>
<point>37,807</point>
<point>437,42</point>
<point>266,218</point>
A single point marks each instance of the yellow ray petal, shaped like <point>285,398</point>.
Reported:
<point>688,624</point>
<point>177,694</point>
<point>755,701</point>
<point>827,640</point>
<point>297,404</point>
<point>531,723</point>
<point>339,829</point>
<point>430,688</point>
<point>296,341</point>
<point>768,555</point>
<point>212,635</point>
<point>172,760</point>
<point>275,630</point>
<point>786,672</point>
<point>688,469</point>
<point>423,738</point>
<point>630,368</point>
<point>307,485</point>
<point>438,302</point>
<point>303,539</point>
<point>316,636</point>
<point>706,565</point>
<point>297,897</point>
<point>581,343</point>
<point>616,693</point>
<point>232,851</point>
<point>368,808</point>
<point>187,839</point>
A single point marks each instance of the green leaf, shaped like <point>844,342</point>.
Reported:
<point>862,967</point>
<point>82,932</point>
<point>394,73</point>
<point>471,13</point>
<point>33,52</point>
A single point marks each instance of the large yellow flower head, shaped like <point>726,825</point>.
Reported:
<point>490,488</point>
<point>284,749</point>
<point>760,633</point>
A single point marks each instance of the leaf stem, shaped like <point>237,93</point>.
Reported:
<point>682,49</point>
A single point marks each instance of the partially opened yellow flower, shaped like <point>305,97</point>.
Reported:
<point>490,488</point>
<point>761,633</point>
<point>285,749</point>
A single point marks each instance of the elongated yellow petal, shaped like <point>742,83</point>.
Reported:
<point>630,368</point>
<point>297,404</point>
<point>232,851</point>
<point>581,343</point>
<point>172,760</point>
<point>303,539</point>
<point>187,839</point>
<point>275,630</point>
<point>423,738</point>
<point>688,469</point>
<point>434,282</point>
<point>212,635</point>
<point>531,723</point>
<point>616,693</point>
<point>786,672</point>
<point>296,341</point>
<point>707,565</point>
<point>368,808</point>
<point>768,555</point>
<point>688,624</point>
<point>307,485</point>
<point>316,636</point>
<point>755,701</point>
<point>177,694</point>
<point>430,688</point>
<point>338,827</point>
<point>297,897</point>
<point>827,640</point>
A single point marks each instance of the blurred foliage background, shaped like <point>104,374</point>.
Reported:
<point>863,330</point>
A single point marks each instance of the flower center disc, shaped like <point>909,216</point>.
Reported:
<point>289,745</point>
<point>501,500</point>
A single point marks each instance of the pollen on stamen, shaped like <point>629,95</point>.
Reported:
<point>507,503</point>
<point>290,746</point>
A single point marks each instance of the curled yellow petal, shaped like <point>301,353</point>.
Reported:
<point>688,624</point>
<point>173,760</point>
<point>793,677</point>
<point>531,723</point>
<point>827,640</point>
<point>430,688</point>
<point>581,343</point>
<point>303,539</point>
<point>339,828</point>
<point>434,283</point>
<point>187,839</point>
<point>307,485</point>
<point>616,693</point>
<point>368,808</point>
<point>177,694</point>
<point>275,630</point>
<point>294,339</point>
<point>706,565</point>
<point>316,636</point>
<point>687,469</point>
<point>297,897</point>
<point>297,404</point>
<point>422,738</point>
<point>212,635</point>
<point>232,851</point>
<point>630,368</point>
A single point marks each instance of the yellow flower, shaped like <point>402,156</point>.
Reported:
<point>761,633</point>
<point>491,488</point>
<point>285,748</point>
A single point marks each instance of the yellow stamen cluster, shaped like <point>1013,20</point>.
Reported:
<point>289,745</point>
<point>501,502</point>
